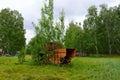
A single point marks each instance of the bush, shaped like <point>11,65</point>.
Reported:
<point>21,55</point>
<point>39,54</point>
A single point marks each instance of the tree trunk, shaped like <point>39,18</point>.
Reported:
<point>96,43</point>
<point>109,43</point>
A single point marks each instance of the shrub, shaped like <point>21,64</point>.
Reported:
<point>21,55</point>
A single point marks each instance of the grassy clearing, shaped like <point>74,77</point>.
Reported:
<point>81,68</point>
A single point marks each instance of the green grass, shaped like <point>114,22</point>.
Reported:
<point>81,68</point>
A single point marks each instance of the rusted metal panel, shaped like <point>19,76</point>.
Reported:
<point>62,53</point>
<point>57,53</point>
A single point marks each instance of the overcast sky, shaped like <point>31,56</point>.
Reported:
<point>74,10</point>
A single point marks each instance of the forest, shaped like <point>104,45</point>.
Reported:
<point>99,34</point>
<point>97,39</point>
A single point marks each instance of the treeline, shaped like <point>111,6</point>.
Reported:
<point>100,33</point>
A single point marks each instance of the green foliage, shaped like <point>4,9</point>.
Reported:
<point>100,33</point>
<point>59,30</point>
<point>102,30</point>
<point>12,32</point>
<point>21,55</point>
<point>46,32</point>
<point>39,55</point>
<point>73,37</point>
<point>90,27</point>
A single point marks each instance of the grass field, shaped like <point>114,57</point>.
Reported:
<point>81,68</point>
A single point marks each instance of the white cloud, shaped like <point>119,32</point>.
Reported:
<point>29,34</point>
<point>115,3</point>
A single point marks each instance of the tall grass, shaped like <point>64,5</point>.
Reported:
<point>81,68</point>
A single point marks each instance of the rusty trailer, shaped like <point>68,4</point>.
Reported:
<point>62,56</point>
